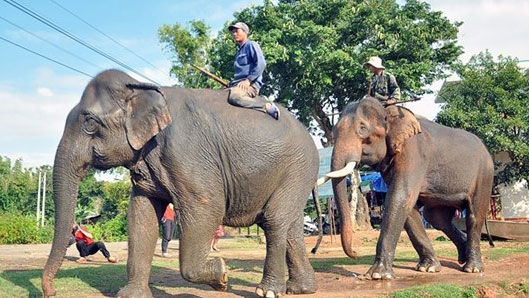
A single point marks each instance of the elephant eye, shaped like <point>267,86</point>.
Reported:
<point>90,125</point>
<point>363,131</point>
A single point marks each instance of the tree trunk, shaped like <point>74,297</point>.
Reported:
<point>324,122</point>
<point>358,204</point>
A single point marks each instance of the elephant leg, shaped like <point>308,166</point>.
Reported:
<point>273,281</point>
<point>301,275</point>
<point>195,246</point>
<point>142,220</point>
<point>415,228</point>
<point>440,218</point>
<point>476,213</point>
<point>399,201</point>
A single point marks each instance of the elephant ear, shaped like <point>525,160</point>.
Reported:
<point>147,114</point>
<point>402,124</point>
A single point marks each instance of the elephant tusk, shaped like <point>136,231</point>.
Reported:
<point>323,180</point>
<point>348,169</point>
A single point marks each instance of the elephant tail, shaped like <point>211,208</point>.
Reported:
<point>488,233</point>
<point>318,212</point>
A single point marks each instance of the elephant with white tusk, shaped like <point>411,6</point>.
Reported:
<point>424,164</point>
<point>218,164</point>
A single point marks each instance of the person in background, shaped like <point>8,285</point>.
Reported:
<point>168,226</point>
<point>383,85</point>
<point>218,233</point>
<point>249,66</point>
<point>84,241</point>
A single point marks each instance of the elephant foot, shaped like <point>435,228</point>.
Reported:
<point>474,267</point>
<point>266,293</point>
<point>428,265</point>
<point>270,290</point>
<point>379,271</point>
<point>135,292</point>
<point>222,283</point>
<point>306,286</point>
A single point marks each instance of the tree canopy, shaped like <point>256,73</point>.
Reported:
<point>19,191</point>
<point>490,101</point>
<point>19,187</point>
<point>315,51</point>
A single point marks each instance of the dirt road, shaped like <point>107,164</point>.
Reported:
<point>339,277</point>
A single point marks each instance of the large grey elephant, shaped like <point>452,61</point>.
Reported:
<point>424,165</point>
<point>215,162</point>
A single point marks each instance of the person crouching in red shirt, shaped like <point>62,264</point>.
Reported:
<point>84,241</point>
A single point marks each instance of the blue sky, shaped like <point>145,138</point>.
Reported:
<point>36,94</point>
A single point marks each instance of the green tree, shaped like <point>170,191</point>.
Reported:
<point>89,196</point>
<point>490,101</point>
<point>116,198</point>
<point>5,179</point>
<point>315,50</point>
<point>188,46</point>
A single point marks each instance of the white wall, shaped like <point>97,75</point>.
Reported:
<point>515,199</point>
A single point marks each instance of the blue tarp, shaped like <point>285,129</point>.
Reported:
<point>378,183</point>
<point>325,190</point>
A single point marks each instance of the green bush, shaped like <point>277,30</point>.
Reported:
<point>22,229</point>
<point>112,230</point>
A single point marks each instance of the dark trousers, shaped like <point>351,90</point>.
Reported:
<point>167,233</point>
<point>92,249</point>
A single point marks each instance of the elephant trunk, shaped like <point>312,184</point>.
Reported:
<point>66,180</point>
<point>339,185</point>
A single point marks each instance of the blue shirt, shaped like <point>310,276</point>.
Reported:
<point>249,64</point>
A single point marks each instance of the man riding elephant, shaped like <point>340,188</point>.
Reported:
<point>190,148</point>
<point>249,66</point>
<point>424,164</point>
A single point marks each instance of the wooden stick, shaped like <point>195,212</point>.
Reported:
<point>209,74</point>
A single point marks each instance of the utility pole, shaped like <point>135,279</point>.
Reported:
<point>38,198</point>
<point>43,199</point>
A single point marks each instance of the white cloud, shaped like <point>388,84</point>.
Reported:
<point>497,26</point>
<point>44,92</point>
<point>31,160</point>
<point>159,74</point>
<point>32,122</point>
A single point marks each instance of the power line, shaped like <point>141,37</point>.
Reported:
<point>73,37</point>
<point>45,57</point>
<point>49,42</point>
<point>107,36</point>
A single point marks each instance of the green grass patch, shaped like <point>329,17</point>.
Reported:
<point>244,242</point>
<point>500,253</point>
<point>74,282</point>
<point>323,265</point>
<point>437,291</point>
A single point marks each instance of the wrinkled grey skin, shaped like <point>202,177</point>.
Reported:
<point>217,163</point>
<point>440,168</point>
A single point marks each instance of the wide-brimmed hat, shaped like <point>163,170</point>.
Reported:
<point>376,62</point>
<point>240,25</point>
